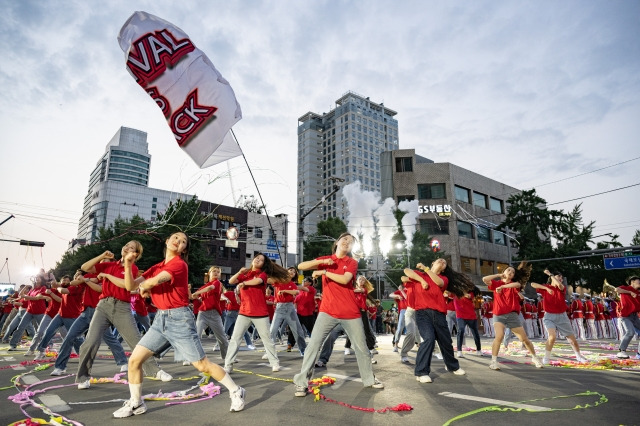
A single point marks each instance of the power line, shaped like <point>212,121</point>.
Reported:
<point>593,195</point>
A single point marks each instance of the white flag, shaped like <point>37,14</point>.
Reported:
<point>198,103</point>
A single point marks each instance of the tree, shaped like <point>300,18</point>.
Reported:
<point>250,203</point>
<point>181,215</point>
<point>320,243</point>
<point>635,241</point>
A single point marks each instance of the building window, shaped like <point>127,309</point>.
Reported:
<point>495,205</point>
<point>479,200</point>
<point>483,234</point>
<point>434,227</point>
<point>258,233</point>
<point>500,267</point>
<point>223,252</point>
<point>486,267</point>
<point>468,265</point>
<point>462,194</point>
<point>432,190</point>
<point>499,238</point>
<point>402,198</point>
<point>235,253</point>
<point>465,229</point>
<point>403,164</point>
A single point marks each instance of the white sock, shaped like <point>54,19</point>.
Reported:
<point>228,383</point>
<point>136,393</point>
<point>547,354</point>
<point>494,358</point>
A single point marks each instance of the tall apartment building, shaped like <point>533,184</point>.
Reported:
<point>346,144</point>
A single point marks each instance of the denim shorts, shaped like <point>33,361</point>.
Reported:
<point>175,327</point>
<point>510,320</point>
<point>558,321</point>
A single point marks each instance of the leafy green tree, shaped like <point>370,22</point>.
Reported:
<point>250,203</point>
<point>320,243</point>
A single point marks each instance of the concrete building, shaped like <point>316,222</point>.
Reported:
<point>344,145</point>
<point>458,208</point>
<point>119,186</point>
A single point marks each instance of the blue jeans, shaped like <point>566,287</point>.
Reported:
<point>52,328</point>
<point>25,323</point>
<point>473,326</point>
<point>75,334</point>
<point>229,324</point>
<point>628,324</point>
<point>400,326</point>
<point>355,331</point>
<point>327,346</point>
<point>432,326</point>
<point>177,328</point>
<point>286,313</point>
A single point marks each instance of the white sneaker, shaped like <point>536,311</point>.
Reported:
<point>128,410</point>
<point>545,361</point>
<point>186,363</point>
<point>459,354</point>
<point>320,364</point>
<point>377,384</point>
<point>29,353</point>
<point>494,365</point>
<point>41,355</point>
<point>84,385</point>
<point>347,351</point>
<point>459,372</point>
<point>424,379</point>
<point>237,399</point>
<point>301,391</point>
<point>537,362</point>
<point>622,355</point>
<point>374,351</point>
<point>265,356</point>
<point>124,368</point>
<point>581,359</point>
<point>374,361</point>
<point>395,349</point>
<point>58,372</point>
<point>275,368</point>
<point>438,355</point>
<point>479,352</point>
<point>404,359</point>
<point>228,368</point>
<point>251,347</point>
<point>216,348</point>
<point>164,376</point>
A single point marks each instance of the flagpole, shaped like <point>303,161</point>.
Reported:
<point>259,195</point>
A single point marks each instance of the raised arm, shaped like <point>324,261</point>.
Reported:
<point>343,279</point>
<point>90,265</point>
<point>487,279</point>
<point>313,264</point>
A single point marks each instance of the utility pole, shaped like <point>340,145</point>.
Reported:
<point>324,198</point>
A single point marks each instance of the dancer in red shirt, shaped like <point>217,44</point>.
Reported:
<point>253,307</point>
<point>210,313</point>
<point>506,309</point>
<point>629,308</point>
<point>174,324</point>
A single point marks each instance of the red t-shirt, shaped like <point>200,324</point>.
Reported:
<point>90,297</point>
<point>450,305</point>
<point>629,304</point>
<point>305,302</point>
<point>411,299</point>
<point>71,306</point>
<point>506,301</point>
<point>54,306</point>
<point>211,299</point>
<point>138,305</point>
<point>432,297</point>
<point>252,297</point>
<point>401,301</point>
<point>541,309</point>
<point>117,270</point>
<point>197,306</point>
<point>373,311</point>
<point>464,307</point>
<point>588,310</point>
<point>577,309</point>
<point>361,300</point>
<point>151,308</point>
<point>271,305</point>
<point>232,304</point>
<point>171,294</point>
<point>339,301</point>
<point>37,307</point>
<point>284,297</point>
<point>553,303</point>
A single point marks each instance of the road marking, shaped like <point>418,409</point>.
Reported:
<point>54,403</point>
<point>18,367</point>
<point>495,401</point>
<point>30,379</point>
<point>269,365</point>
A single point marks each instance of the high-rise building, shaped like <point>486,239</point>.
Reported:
<point>119,186</point>
<point>343,145</point>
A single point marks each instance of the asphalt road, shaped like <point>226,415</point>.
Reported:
<point>605,392</point>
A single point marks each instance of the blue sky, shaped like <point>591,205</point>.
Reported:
<point>523,92</point>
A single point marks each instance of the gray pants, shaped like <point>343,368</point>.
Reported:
<point>25,324</point>
<point>323,326</point>
<point>412,336</point>
<point>110,311</point>
<point>286,312</point>
<point>213,320</point>
<point>242,325</point>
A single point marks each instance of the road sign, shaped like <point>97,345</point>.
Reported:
<point>272,256</point>
<point>622,262</point>
<point>273,244</point>
<point>618,254</point>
